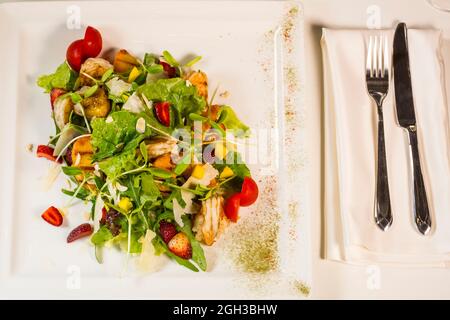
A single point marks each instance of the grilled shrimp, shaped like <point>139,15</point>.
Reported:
<point>200,81</point>
<point>97,105</point>
<point>61,112</point>
<point>159,146</point>
<point>210,223</point>
<point>94,67</point>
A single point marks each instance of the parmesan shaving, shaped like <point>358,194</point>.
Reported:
<point>148,261</point>
<point>49,180</point>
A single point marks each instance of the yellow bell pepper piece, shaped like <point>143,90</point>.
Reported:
<point>198,172</point>
<point>226,173</point>
<point>133,74</point>
<point>125,204</point>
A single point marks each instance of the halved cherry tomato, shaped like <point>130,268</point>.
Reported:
<point>44,151</point>
<point>249,192</point>
<point>75,54</point>
<point>53,216</point>
<point>162,110</point>
<point>54,94</point>
<point>92,43</point>
<point>231,207</point>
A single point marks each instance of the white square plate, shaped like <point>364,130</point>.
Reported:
<point>254,50</point>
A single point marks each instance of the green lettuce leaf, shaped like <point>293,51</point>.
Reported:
<point>229,119</point>
<point>63,78</point>
<point>102,236</point>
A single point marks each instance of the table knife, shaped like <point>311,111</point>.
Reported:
<point>404,101</point>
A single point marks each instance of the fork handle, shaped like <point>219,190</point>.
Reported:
<point>383,213</point>
<point>422,216</point>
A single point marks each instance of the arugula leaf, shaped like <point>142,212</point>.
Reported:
<point>161,173</point>
<point>160,246</point>
<point>229,119</point>
<point>170,59</point>
<point>111,137</point>
<point>71,171</point>
<point>89,92</point>
<point>102,236</point>
<point>143,150</point>
<point>82,194</point>
<point>193,61</point>
<point>182,98</point>
<point>180,168</point>
<point>149,186</point>
<point>63,78</point>
<point>198,256</point>
<point>153,123</point>
<point>151,65</point>
<point>107,74</point>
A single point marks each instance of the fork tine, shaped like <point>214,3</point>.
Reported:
<point>386,58</point>
<point>374,56</point>
<point>380,56</point>
<point>369,57</point>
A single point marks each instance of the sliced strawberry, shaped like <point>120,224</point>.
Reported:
<point>54,94</point>
<point>162,110</point>
<point>81,231</point>
<point>53,216</point>
<point>168,69</point>
<point>180,246</point>
<point>44,151</point>
<point>167,231</point>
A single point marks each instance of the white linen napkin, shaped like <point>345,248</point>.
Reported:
<point>350,154</point>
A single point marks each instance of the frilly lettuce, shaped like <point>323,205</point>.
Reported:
<point>63,78</point>
<point>229,119</point>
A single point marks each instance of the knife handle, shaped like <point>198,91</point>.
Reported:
<point>422,216</point>
<point>383,213</point>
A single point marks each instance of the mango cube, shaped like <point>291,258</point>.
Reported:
<point>226,173</point>
<point>198,172</point>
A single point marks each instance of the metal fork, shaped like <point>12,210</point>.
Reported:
<point>377,79</point>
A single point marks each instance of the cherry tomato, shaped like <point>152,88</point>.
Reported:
<point>249,192</point>
<point>231,207</point>
<point>162,110</point>
<point>92,42</point>
<point>75,54</point>
<point>54,94</point>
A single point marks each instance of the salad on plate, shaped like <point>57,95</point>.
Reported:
<point>140,140</point>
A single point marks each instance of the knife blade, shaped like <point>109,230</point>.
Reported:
<point>406,117</point>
